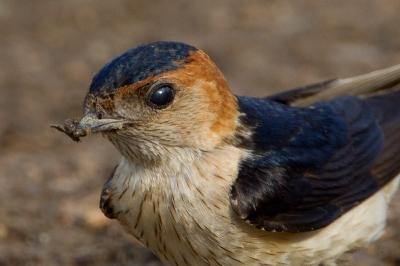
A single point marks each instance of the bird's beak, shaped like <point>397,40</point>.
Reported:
<point>89,124</point>
<point>94,124</point>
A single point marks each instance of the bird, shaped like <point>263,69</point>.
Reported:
<point>210,178</point>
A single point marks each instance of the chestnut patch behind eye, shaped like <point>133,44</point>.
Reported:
<point>161,96</point>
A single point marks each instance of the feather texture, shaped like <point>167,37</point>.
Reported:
<point>310,165</point>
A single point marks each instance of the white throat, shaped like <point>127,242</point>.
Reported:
<point>164,203</point>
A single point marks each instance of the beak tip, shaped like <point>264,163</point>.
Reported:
<point>89,124</point>
<point>72,128</point>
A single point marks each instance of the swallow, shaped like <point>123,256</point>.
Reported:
<point>211,178</point>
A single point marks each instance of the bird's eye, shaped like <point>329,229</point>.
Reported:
<point>162,96</point>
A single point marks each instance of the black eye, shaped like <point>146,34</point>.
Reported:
<point>162,96</point>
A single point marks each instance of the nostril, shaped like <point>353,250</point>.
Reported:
<point>99,116</point>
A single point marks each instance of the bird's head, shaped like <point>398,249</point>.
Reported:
<point>163,94</point>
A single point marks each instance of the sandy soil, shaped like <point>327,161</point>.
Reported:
<point>49,51</point>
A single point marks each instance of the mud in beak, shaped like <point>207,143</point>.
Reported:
<point>76,129</point>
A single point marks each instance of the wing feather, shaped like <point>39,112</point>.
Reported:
<point>309,165</point>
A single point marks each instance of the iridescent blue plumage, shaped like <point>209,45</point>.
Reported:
<point>309,163</point>
<point>140,63</point>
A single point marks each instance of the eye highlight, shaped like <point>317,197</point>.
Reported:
<point>161,96</point>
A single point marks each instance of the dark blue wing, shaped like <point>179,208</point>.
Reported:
<point>308,166</point>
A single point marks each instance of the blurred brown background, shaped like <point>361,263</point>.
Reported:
<point>50,50</point>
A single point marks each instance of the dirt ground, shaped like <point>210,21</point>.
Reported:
<point>49,51</point>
